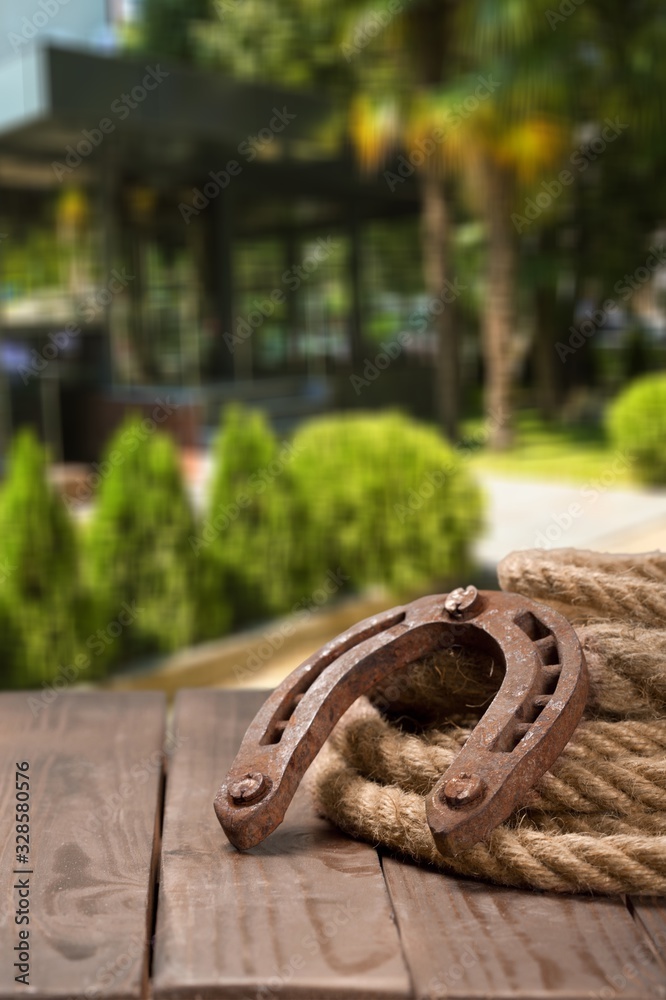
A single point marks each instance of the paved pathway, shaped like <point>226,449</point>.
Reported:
<point>525,514</point>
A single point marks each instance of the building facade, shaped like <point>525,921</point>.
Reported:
<point>165,231</point>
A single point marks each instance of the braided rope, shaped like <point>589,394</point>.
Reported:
<point>596,822</point>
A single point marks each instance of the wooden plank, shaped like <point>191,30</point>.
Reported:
<point>650,914</point>
<point>466,939</point>
<point>306,914</point>
<point>95,782</point>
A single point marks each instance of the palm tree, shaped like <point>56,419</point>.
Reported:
<point>413,73</point>
<point>488,75</point>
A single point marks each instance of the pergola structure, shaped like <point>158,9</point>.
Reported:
<point>176,173</point>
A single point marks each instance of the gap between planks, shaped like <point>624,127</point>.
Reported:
<point>460,939</point>
<point>95,786</point>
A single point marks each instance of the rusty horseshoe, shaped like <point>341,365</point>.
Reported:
<point>523,731</point>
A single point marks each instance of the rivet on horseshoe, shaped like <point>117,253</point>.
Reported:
<point>523,731</point>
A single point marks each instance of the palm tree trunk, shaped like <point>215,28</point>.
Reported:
<point>546,364</point>
<point>548,318</point>
<point>435,244</point>
<point>499,314</point>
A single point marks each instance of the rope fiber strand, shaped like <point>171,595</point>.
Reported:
<point>596,822</point>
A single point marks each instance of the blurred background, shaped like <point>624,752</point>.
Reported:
<point>309,308</point>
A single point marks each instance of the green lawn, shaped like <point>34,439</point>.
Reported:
<point>573,454</point>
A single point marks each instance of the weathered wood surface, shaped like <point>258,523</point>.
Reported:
<point>464,939</point>
<point>306,914</point>
<point>95,801</point>
<point>650,914</point>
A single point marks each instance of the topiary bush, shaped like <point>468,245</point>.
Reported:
<point>383,499</point>
<point>353,501</point>
<point>636,422</point>
<point>247,533</point>
<point>139,559</point>
<point>43,610</point>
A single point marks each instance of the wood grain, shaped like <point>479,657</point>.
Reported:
<point>91,756</point>
<point>650,914</point>
<point>306,914</point>
<point>464,939</point>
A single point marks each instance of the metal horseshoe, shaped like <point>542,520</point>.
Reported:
<point>523,731</point>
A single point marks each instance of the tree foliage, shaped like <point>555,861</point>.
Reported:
<point>383,499</point>
<point>637,425</point>
<point>248,530</point>
<point>397,73</point>
<point>138,549</point>
<point>42,608</point>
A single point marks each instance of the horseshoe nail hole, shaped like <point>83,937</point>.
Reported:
<point>531,626</point>
<point>529,713</point>
<point>283,714</point>
<point>521,729</point>
<point>279,722</point>
<point>548,650</point>
<point>511,737</point>
<point>551,677</point>
<point>522,722</point>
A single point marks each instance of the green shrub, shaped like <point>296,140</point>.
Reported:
<point>367,498</point>
<point>42,609</point>
<point>384,499</point>
<point>247,532</point>
<point>139,555</point>
<point>637,425</point>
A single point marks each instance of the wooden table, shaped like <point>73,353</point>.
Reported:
<point>133,891</point>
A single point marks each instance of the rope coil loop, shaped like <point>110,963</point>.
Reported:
<point>596,821</point>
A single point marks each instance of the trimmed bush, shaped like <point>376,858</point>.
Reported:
<point>41,604</point>
<point>247,533</point>
<point>636,422</point>
<point>353,501</point>
<point>140,563</point>
<point>383,499</point>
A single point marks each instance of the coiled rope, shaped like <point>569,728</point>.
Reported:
<point>596,822</point>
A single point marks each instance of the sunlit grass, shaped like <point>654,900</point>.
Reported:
<point>562,453</point>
